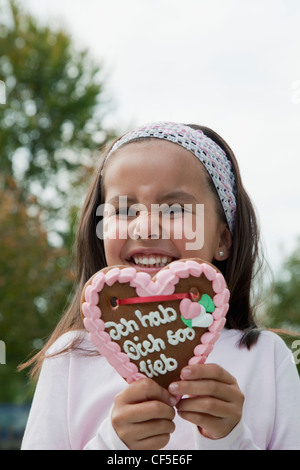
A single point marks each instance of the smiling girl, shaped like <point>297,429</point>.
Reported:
<point>180,180</point>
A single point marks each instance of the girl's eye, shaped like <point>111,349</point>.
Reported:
<point>122,211</point>
<point>175,210</point>
<point>126,212</point>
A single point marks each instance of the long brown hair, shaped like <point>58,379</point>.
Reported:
<point>239,269</point>
<point>246,259</point>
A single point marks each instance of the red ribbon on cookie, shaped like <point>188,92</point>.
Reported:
<point>153,298</point>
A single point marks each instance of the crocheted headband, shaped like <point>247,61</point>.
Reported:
<point>205,149</point>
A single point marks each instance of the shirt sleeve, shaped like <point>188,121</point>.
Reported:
<point>106,438</point>
<point>240,438</point>
<point>47,426</point>
<point>71,407</point>
<point>286,427</point>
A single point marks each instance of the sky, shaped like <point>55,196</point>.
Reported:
<point>230,65</point>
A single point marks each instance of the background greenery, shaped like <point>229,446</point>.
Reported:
<point>50,129</point>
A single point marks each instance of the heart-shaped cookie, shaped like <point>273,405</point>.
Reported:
<point>153,327</point>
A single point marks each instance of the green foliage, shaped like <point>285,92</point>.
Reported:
<point>35,280</point>
<point>50,126</point>
<point>54,103</point>
<point>284,310</point>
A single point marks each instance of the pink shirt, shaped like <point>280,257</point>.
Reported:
<point>75,393</point>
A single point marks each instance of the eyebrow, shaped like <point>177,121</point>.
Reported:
<point>171,196</point>
<point>179,194</point>
<point>116,199</point>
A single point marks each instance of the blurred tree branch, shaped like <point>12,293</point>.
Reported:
<point>51,126</point>
<point>283,313</point>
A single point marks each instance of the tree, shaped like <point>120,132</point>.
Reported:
<point>50,127</point>
<point>284,310</point>
<point>35,281</point>
<point>55,104</point>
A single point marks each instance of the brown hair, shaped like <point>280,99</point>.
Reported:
<point>245,260</point>
<point>239,269</point>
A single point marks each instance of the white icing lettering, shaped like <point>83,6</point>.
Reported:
<point>156,318</point>
<point>135,351</point>
<point>160,366</point>
<point>150,372</point>
<point>124,328</point>
<point>180,336</point>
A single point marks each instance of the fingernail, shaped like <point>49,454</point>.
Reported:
<point>185,373</point>
<point>173,401</point>
<point>173,387</point>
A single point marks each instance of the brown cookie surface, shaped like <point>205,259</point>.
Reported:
<point>153,327</point>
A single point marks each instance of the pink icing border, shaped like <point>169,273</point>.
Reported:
<point>164,283</point>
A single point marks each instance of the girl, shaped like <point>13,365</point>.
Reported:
<point>247,394</point>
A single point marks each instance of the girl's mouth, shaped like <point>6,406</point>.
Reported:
<point>151,261</point>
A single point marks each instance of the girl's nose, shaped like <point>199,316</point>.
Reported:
<point>146,226</point>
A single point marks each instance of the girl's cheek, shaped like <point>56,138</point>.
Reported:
<point>174,228</point>
<point>189,229</point>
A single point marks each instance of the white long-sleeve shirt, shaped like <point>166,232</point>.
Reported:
<point>74,396</point>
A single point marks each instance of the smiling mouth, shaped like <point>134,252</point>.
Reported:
<point>151,261</point>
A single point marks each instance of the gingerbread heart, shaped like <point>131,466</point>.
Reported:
<point>153,327</point>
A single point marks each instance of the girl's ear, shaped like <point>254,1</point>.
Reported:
<point>222,251</point>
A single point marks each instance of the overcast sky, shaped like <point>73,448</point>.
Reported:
<point>228,64</point>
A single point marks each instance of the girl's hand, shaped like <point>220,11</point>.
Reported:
<point>214,401</point>
<point>143,415</point>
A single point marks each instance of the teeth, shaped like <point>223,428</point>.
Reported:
<point>152,260</point>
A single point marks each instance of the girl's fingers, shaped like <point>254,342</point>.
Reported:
<point>211,399</point>
<point>209,426</point>
<point>204,405</point>
<point>207,371</point>
<point>147,411</point>
<point>146,390</point>
<point>150,434</point>
<point>154,427</point>
<point>212,418</point>
<point>155,442</point>
<point>202,380</point>
<point>143,416</point>
<point>202,387</point>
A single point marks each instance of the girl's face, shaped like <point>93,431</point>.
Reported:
<point>155,194</point>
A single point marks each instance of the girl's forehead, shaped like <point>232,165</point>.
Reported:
<point>153,164</point>
<point>153,154</point>
<point>191,141</point>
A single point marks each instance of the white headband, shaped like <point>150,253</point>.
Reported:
<point>205,149</point>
